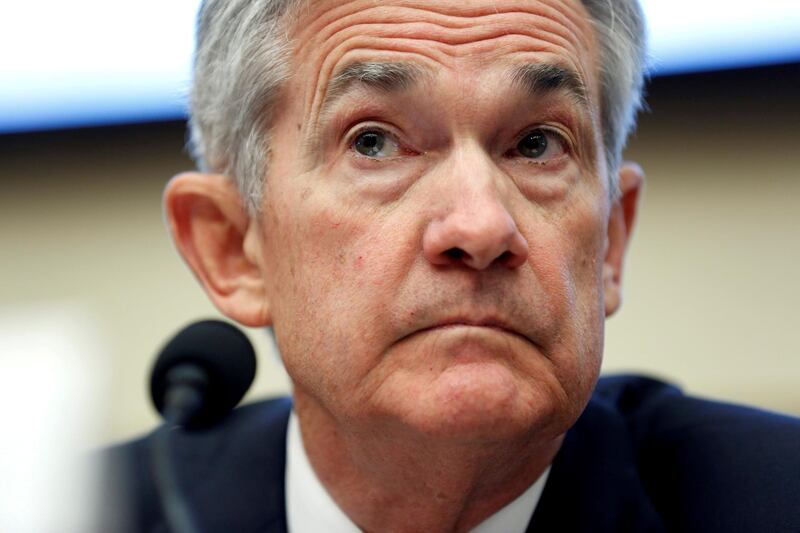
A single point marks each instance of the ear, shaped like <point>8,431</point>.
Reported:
<point>620,227</point>
<point>220,243</point>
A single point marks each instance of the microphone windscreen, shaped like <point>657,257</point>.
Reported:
<point>225,356</point>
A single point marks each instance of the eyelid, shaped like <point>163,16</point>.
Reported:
<point>364,127</point>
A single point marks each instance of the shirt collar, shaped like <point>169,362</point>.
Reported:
<point>309,507</point>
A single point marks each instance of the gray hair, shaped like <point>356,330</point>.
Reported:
<point>242,58</point>
<point>622,37</point>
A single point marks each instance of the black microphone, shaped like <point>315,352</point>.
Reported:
<point>202,373</point>
<point>199,376</point>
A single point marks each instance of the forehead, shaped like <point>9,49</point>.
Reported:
<point>460,36</point>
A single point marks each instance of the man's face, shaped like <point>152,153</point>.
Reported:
<point>435,215</point>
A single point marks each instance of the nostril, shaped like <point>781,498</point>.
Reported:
<point>455,253</point>
<point>505,258</point>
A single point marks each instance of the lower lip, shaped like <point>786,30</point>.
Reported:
<point>470,344</point>
<point>472,326</point>
<point>472,332</point>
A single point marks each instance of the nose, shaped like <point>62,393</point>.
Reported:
<point>475,229</point>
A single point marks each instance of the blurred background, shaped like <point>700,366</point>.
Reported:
<point>92,126</point>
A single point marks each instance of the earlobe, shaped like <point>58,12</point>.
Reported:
<point>620,227</point>
<point>218,240</point>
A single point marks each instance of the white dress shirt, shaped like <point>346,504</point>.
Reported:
<point>310,509</point>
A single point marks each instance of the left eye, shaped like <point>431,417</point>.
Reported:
<point>376,144</point>
<point>540,145</point>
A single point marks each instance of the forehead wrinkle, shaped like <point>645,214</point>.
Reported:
<point>566,21</point>
<point>539,28</point>
<point>330,21</point>
<point>561,23</point>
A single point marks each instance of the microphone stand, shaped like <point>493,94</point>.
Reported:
<point>198,378</point>
<point>184,398</point>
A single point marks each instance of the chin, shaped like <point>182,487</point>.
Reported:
<point>480,402</point>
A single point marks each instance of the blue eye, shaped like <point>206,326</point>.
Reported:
<point>370,143</point>
<point>376,144</point>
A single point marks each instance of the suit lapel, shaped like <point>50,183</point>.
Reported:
<point>594,485</point>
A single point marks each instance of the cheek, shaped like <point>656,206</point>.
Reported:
<point>574,248</point>
<point>338,267</point>
<point>314,263</point>
<point>587,233</point>
<point>567,257</point>
<point>349,252</point>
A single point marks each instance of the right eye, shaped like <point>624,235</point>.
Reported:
<point>376,144</point>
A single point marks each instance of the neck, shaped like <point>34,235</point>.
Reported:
<point>381,477</point>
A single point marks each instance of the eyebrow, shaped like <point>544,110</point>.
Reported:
<point>546,78</point>
<point>386,77</point>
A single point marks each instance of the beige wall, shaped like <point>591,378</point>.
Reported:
<point>712,288</point>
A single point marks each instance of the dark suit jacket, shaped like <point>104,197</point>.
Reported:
<point>642,457</point>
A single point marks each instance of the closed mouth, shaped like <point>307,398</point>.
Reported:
<point>486,323</point>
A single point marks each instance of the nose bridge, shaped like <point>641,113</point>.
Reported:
<point>474,225</point>
<point>477,200</point>
<point>469,180</point>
